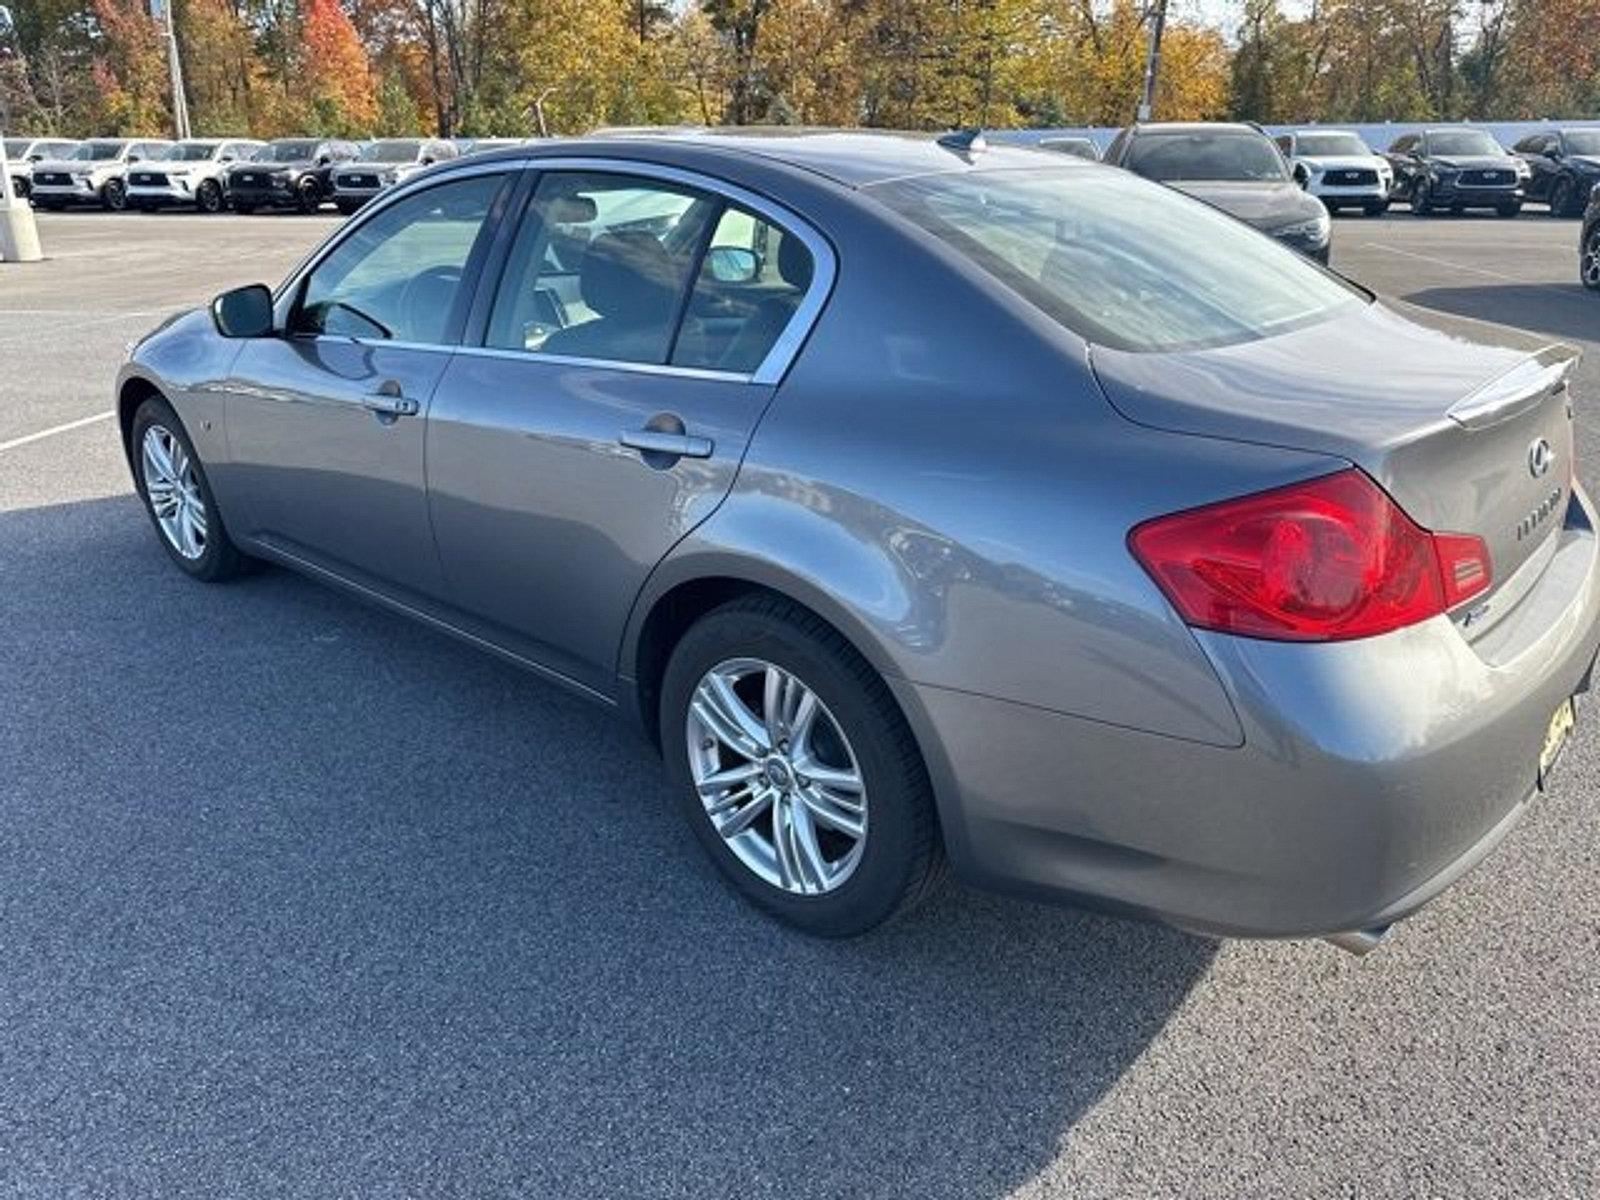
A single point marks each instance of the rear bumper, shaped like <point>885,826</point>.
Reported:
<point>1374,774</point>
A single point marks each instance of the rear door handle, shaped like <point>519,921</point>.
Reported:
<point>659,441</point>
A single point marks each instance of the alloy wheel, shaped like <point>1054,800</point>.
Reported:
<point>1590,266</point>
<point>174,493</point>
<point>777,776</point>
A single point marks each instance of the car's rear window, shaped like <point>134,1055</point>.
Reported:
<point>1121,261</point>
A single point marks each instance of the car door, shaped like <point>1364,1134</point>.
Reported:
<point>634,337</point>
<point>326,419</point>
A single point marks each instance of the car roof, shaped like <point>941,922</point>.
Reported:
<point>854,157</point>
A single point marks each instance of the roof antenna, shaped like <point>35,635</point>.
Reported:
<point>964,141</point>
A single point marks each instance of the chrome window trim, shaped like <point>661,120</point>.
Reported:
<point>603,364</point>
<point>824,263</point>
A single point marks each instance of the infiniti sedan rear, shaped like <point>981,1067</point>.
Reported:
<point>925,502</point>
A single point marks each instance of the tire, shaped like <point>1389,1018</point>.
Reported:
<point>1589,259</point>
<point>1375,208</point>
<point>243,207</point>
<point>21,188</point>
<point>1561,199</point>
<point>215,557</point>
<point>308,196</point>
<point>114,195</point>
<point>208,196</point>
<point>1421,199</point>
<point>897,859</point>
<point>1508,210</point>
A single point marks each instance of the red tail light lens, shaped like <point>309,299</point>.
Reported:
<point>1327,560</point>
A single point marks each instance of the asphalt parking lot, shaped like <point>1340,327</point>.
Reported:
<point>299,899</point>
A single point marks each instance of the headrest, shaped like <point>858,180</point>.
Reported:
<point>794,262</point>
<point>627,274</point>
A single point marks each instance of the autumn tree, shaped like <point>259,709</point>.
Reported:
<point>336,71</point>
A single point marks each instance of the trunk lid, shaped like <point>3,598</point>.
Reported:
<point>1467,425</point>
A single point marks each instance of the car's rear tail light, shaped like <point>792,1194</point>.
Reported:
<point>1326,560</point>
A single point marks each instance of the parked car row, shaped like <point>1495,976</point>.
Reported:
<point>214,174</point>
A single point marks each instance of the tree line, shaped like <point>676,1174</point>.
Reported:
<point>520,67</point>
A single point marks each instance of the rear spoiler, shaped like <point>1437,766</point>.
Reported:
<point>1520,388</point>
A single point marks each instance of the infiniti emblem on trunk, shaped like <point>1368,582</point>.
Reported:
<point>1540,455</point>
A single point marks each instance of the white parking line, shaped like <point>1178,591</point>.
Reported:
<point>1455,266</point>
<point>51,432</point>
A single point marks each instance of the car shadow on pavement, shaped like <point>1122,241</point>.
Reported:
<point>304,899</point>
<point>1562,310</point>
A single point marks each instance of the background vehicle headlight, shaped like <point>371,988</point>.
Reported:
<point>1315,229</point>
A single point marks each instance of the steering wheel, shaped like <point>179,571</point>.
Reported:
<point>425,302</point>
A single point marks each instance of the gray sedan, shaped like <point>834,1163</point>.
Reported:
<point>925,501</point>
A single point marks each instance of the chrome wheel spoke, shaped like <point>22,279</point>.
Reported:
<point>765,756</point>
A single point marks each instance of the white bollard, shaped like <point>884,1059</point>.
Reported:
<point>19,236</point>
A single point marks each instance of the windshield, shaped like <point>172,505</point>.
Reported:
<point>188,152</point>
<point>1170,157</point>
<point>1462,141</point>
<point>96,150</point>
<point>392,152</point>
<point>284,152</point>
<point>1584,141</point>
<point>1328,145</point>
<point>1119,261</point>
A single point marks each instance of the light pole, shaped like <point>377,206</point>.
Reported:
<point>162,11</point>
<point>1152,62</point>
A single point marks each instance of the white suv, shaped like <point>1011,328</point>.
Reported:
<point>190,174</point>
<point>94,173</point>
<point>22,153</point>
<point>1338,168</point>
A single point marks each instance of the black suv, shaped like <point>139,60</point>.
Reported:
<point>1565,165</point>
<point>288,173</point>
<point>1236,168</point>
<point>1456,169</point>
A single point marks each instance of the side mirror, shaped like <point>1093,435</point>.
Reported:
<point>244,312</point>
<point>323,160</point>
<point>427,161</point>
<point>733,264</point>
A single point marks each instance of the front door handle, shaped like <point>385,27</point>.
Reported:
<point>675,445</point>
<point>390,401</point>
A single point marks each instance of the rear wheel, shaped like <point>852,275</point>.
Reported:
<point>208,196</point>
<point>21,187</point>
<point>796,769</point>
<point>114,195</point>
<point>1589,259</point>
<point>172,482</point>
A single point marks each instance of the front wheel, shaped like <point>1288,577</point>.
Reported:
<point>114,195</point>
<point>308,196</point>
<point>1561,204</point>
<point>1589,259</point>
<point>796,769</point>
<point>172,482</point>
<point>1421,199</point>
<point>208,196</point>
